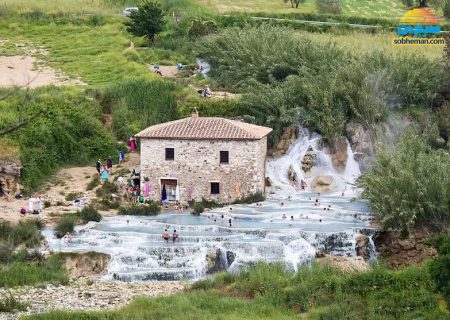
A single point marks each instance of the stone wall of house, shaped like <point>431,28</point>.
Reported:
<point>197,164</point>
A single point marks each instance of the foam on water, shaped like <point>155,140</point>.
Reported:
<point>257,233</point>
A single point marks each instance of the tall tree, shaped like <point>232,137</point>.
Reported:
<point>295,3</point>
<point>147,21</point>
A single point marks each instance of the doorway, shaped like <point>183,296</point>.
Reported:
<point>171,188</point>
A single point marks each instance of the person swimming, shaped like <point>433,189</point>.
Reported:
<point>283,216</point>
<point>282,204</point>
<point>292,218</point>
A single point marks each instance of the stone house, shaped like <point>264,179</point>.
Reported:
<point>195,157</point>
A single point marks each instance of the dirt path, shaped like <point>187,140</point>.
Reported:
<point>23,71</point>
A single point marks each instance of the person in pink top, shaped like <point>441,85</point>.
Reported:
<point>133,144</point>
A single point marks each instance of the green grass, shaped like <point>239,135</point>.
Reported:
<point>269,292</point>
<point>69,6</point>
<point>32,273</point>
<point>381,8</point>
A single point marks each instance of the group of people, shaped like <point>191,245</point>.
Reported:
<point>104,171</point>
<point>35,206</point>
<point>166,236</point>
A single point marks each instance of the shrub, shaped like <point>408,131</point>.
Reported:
<point>251,198</point>
<point>409,186</point>
<point>106,190</point>
<point>150,208</point>
<point>138,103</point>
<point>198,208</point>
<point>66,224</point>
<point>329,6</point>
<point>202,28</point>
<point>11,304</point>
<point>95,181</point>
<point>89,213</point>
<point>72,196</point>
<point>25,232</point>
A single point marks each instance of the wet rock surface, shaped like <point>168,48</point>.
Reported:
<point>285,141</point>
<point>82,295</point>
<point>362,143</point>
<point>308,160</point>
<point>322,184</point>
<point>338,153</point>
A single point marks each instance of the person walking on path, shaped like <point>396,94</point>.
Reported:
<point>109,165</point>
<point>105,175</point>
<point>98,166</point>
<point>121,156</point>
<point>133,144</point>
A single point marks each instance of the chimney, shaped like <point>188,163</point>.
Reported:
<point>194,113</point>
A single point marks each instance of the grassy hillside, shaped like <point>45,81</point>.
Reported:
<point>381,8</point>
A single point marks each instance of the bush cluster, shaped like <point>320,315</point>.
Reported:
<point>69,130</point>
<point>409,186</point>
<point>150,208</point>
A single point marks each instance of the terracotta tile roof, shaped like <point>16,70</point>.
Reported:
<point>205,128</point>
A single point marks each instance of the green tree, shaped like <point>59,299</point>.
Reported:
<point>295,3</point>
<point>147,21</point>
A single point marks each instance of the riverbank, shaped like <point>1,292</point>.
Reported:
<point>85,294</point>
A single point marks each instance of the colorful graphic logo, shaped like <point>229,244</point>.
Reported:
<point>418,22</point>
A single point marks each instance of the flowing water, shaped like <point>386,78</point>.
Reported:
<point>258,231</point>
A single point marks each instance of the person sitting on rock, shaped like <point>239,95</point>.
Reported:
<point>165,235</point>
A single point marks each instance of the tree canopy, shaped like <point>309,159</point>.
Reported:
<point>147,21</point>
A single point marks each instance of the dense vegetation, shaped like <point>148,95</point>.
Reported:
<point>410,185</point>
<point>24,267</point>
<point>69,220</point>
<point>269,292</point>
<point>68,131</point>
<point>283,78</point>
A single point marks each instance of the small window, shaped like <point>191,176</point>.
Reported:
<point>215,188</point>
<point>224,157</point>
<point>170,153</point>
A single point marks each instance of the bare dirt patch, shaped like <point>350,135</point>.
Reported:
<point>24,71</point>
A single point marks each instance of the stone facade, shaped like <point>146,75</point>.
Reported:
<point>197,163</point>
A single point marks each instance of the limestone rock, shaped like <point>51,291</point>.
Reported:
<point>362,249</point>
<point>362,143</point>
<point>86,264</point>
<point>9,178</point>
<point>285,141</point>
<point>338,153</point>
<point>309,160</point>
<point>322,184</point>
<point>345,264</point>
<point>213,262</point>
<point>291,174</point>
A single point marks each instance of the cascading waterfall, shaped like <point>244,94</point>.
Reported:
<point>291,233</point>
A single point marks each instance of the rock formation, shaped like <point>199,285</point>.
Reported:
<point>285,141</point>
<point>9,178</point>
<point>362,248</point>
<point>362,143</point>
<point>322,184</point>
<point>213,261</point>
<point>338,154</point>
<point>86,264</point>
<point>308,161</point>
<point>292,175</point>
